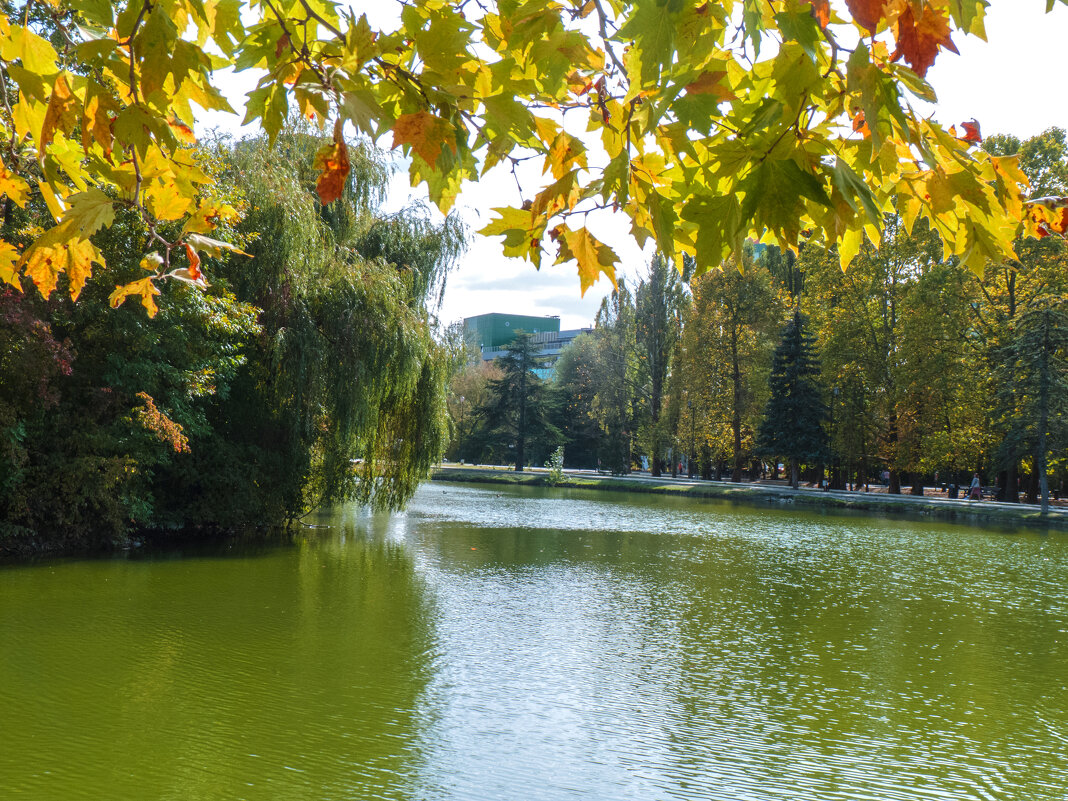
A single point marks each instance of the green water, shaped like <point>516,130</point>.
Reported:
<point>531,644</point>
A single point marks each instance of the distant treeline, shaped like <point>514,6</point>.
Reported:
<point>906,368</point>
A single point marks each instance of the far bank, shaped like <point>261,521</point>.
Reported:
<point>976,513</point>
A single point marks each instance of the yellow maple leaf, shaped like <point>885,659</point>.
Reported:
<point>13,186</point>
<point>60,112</point>
<point>82,253</point>
<point>8,258</point>
<point>43,266</point>
<point>143,287</point>
<point>593,257</point>
<point>166,201</point>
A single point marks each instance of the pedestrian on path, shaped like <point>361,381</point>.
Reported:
<point>975,493</point>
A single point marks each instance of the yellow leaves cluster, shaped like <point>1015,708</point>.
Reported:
<point>699,147</point>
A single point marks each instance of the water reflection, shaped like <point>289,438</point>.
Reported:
<point>292,674</point>
<point>548,645</point>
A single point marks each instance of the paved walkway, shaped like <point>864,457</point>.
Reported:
<point>748,487</point>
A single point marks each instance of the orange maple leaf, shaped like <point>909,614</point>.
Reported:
<point>821,10</point>
<point>424,132</point>
<point>710,83</point>
<point>332,161</point>
<point>60,112</point>
<point>194,262</point>
<point>971,132</point>
<point>918,40</point>
<point>860,125</point>
<point>866,13</point>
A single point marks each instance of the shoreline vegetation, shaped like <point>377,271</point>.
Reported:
<point>974,513</point>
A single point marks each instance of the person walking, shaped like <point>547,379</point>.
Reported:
<point>975,493</point>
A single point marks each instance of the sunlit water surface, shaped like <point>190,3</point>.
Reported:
<point>535,644</point>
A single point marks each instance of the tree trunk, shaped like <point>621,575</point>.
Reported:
<point>793,473</point>
<point>917,485</point>
<point>736,411</point>
<point>1012,485</point>
<point>1043,418</point>
<point>1032,482</point>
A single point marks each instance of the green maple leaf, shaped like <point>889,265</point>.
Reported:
<point>89,211</point>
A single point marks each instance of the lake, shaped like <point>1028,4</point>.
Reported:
<point>535,644</point>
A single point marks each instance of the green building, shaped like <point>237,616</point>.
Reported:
<point>491,332</point>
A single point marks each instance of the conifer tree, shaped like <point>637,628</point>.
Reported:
<point>517,406</point>
<point>1032,400</point>
<point>793,419</point>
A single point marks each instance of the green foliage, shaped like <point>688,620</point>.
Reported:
<point>658,317</point>
<point>305,373</point>
<point>1032,396</point>
<point>705,137</point>
<point>576,386</point>
<point>516,411</point>
<point>795,412</point>
<point>555,466</point>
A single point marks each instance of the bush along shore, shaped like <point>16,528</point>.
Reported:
<point>978,513</point>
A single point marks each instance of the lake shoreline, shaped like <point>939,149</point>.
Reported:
<point>974,513</point>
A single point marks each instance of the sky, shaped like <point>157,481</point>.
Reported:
<point>1012,83</point>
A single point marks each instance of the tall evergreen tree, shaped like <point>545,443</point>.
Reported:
<point>516,409</point>
<point>793,419</point>
<point>1033,396</point>
<point>658,304</point>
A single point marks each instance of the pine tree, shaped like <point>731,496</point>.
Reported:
<point>516,409</point>
<point>793,419</point>
<point>1032,400</point>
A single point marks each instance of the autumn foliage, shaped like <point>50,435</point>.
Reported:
<point>704,123</point>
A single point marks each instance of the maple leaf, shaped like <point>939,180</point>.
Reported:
<point>971,132</point>
<point>332,161</point>
<point>8,257</point>
<point>194,262</point>
<point>1047,216</point>
<point>43,266</point>
<point>90,211</point>
<point>821,10</point>
<point>860,125</point>
<point>81,255</point>
<point>97,121</point>
<point>918,40</point>
<point>424,132</point>
<point>866,13</point>
<point>143,287</point>
<point>60,111</point>
<point>710,83</point>
<point>13,186</point>
<point>593,257</point>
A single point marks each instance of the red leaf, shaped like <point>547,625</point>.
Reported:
<point>821,10</point>
<point>194,262</point>
<point>866,13</point>
<point>918,40</point>
<point>971,132</point>
<point>860,125</point>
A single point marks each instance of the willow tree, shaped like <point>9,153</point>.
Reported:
<point>344,396</point>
